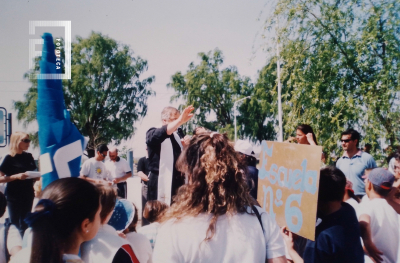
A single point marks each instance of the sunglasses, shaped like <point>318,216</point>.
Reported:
<point>104,155</point>
<point>346,140</point>
<point>26,140</point>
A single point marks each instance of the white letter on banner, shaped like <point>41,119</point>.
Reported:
<point>45,164</point>
<point>64,155</point>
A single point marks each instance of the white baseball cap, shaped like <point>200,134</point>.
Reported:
<point>244,147</point>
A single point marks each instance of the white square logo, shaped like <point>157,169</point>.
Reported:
<point>67,42</point>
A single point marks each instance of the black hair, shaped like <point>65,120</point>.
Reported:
<point>332,184</point>
<point>248,160</point>
<point>396,156</point>
<point>380,191</point>
<point>102,148</point>
<point>352,195</point>
<point>108,199</point>
<point>305,128</point>
<point>3,204</point>
<point>354,135</point>
<point>74,201</point>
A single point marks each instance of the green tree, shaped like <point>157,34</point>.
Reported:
<point>339,62</point>
<point>213,92</point>
<point>105,94</point>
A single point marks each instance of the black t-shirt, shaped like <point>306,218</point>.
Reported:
<point>20,163</point>
<point>337,239</point>
<point>143,165</point>
<point>252,180</point>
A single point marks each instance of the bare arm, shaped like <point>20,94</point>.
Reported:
<point>6,179</point>
<point>183,118</point>
<point>143,176</point>
<point>288,238</point>
<point>369,246</point>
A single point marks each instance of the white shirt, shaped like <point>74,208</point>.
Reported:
<point>117,169</point>
<point>353,203</point>
<point>141,245</point>
<point>103,247</point>
<point>238,238</point>
<point>384,224</point>
<point>13,240</point>
<point>94,169</point>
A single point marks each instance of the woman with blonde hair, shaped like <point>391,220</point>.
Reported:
<point>214,218</point>
<point>19,192</point>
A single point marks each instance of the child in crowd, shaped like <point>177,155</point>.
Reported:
<point>378,220</point>
<point>139,241</point>
<point>67,215</point>
<point>153,210</point>
<point>10,238</point>
<point>107,246</point>
<point>337,234</point>
<point>350,197</point>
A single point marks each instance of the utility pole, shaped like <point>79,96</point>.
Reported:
<point>280,136</point>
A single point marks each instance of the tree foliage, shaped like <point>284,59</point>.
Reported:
<point>340,65</point>
<point>213,92</point>
<point>105,94</point>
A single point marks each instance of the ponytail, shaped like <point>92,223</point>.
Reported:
<point>65,205</point>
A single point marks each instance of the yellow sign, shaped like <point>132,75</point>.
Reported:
<point>288,185</point>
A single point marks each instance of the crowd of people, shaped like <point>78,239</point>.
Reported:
<point>199,197</point>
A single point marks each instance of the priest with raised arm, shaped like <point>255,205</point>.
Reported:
<point>164,147</point>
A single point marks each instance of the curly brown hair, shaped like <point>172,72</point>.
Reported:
<point>216,181</point>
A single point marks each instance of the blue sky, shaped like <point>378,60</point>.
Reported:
<point>168,33</point>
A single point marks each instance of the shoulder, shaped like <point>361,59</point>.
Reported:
<point>367,156</point>
<point>122,160</point>
<point>152,129</point>
<point>27,155</point>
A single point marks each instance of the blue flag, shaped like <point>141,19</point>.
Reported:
<point>61,144</point>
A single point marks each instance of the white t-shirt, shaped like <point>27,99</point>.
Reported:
<point>150,232</point>
<point>13,240</point>
<point>117,169</point>
<point>141,245</point>
<point>94,169</point>
<point>238,238</point>
<point>384,223</point>
<point>353,203</point>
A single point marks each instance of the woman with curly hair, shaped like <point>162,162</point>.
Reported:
<point>213,217</point>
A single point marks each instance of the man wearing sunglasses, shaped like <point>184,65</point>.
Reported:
<point>94,170</point>
<point>354,162</point>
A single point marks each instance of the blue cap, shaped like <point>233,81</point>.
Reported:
<point>123,215</point>
<point>382,178</point>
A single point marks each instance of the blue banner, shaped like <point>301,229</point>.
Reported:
<point>61,144</point>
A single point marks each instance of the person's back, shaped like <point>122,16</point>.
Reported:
<point>384,224</point>
<point>337,239</point>
<point>238,238</point>
<point>211,219</point>
<point>141,245</point>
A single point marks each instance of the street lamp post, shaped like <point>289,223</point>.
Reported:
<point>234,112</point>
